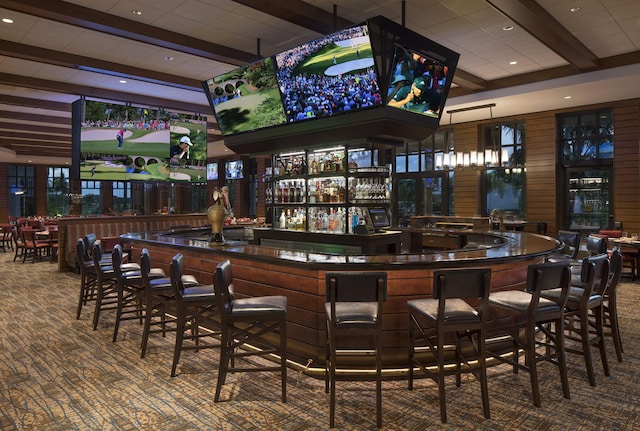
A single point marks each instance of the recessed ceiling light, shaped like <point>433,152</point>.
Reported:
<point>575,9</point>
<point>136,12</point>
<point>122,81</point>
<point>7,20</point>
<point>567,97</point>
<point>507,28</point>
<point>513,62</point>
<point>168,58</point>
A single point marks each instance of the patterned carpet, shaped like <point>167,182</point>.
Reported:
<point>58,374</point>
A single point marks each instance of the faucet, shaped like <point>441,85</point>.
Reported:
<point>496,215</point>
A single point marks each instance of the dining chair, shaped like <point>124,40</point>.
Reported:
<point>610,302</point>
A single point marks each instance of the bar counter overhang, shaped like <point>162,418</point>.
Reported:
<point>300,276</point>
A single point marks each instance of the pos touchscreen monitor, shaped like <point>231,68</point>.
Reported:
<point>379,218</point>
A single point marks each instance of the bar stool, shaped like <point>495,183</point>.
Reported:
<point>88,277</point>
<point>131,304</point>
<point>584,311</point>
<point>158,294</point>
<point>247,322</point>
<point>195,307</point>
<point>354,307</point>
<point>529,313</point>
<point>450,312</point>
<point>610,301</point>
<point>106,283</point>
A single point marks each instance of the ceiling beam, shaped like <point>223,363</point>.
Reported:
<point>25,116</point>
<point>300,13</point>
<point>27,102</point>
<point>36,136</point>
<point>34,128</point>
<point>540,24</point>
<point>78,62</point>
<point>100,93</point>
<point>91,19</point>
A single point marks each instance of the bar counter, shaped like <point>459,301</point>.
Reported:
<point>300,275</point>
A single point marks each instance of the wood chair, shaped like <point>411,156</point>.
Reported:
<point>354,307</point>
<point>584,311</point>
<point>529,314</point>
<point>249,322</point>
<point>458,310</point>
<point>196,306</point>
<point>131,304</point>
<point>34,247</point>
<point>610,302</point>
<point>158,294</point>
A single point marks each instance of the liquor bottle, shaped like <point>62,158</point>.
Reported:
<point>298,192</point>
<point>283,220</point>
<point>292,193</point>
<point>285,193</point>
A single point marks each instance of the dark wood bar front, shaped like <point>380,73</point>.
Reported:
<point>300,276</point>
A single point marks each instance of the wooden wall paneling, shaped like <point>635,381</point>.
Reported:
<point>540,155</point>
<point>466,184</point>
<point>626,177</point>
<point>4,193</point>
<point>40,201</point>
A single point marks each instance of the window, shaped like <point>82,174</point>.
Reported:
<point>422,182</point>
<point>91,198</point>
<point>58,189</point>
<point>505,182</point>
<point>21,191</point>
<point>586,136</point>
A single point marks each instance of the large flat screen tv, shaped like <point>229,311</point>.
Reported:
<point>212,171</point>
<point>328,76</point>
<point>127,143</point>
<point>234,170</point>
<point>419,82</point>
<point>246,98</point>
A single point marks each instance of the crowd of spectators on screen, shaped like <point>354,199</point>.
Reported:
<point>140,125</point>
<point>318,95</point>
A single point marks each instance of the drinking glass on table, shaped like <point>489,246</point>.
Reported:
<point>625,235</point>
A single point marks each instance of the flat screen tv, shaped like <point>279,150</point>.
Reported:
<point>212,171</point>
<point>234,170</point>
<point>379,218</point>
<point>135,143</point>
<point>246,98</point>
<point>328,76</point>
<point>418,82</point>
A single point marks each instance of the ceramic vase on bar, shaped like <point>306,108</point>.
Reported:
<point>216,215</point>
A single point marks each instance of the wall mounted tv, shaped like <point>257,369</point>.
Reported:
<point>234,170</point>
<point>212,171</point>
<point>246,98</point>
<point>135,143</point>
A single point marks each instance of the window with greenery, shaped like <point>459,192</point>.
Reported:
<point>21,190</point>
<point>422,186</point>
<point>58,188</point>
<point>505,182</point>
<point>121,197</point>
<point>91,198</point>
<point>586,136</point>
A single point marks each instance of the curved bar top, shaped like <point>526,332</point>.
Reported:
<point>300,275</point>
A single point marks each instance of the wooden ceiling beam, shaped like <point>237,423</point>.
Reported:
<point>26,116</point>
<point>91,19</point>
<point>27,102</point>
<point>100,93</point>
<point>540,24</point>
<point>78,62</point>
<point>26,135</point>
<point>300,13</point>
<point>35,128</point>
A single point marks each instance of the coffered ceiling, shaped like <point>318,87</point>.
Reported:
<point>522,55</point>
